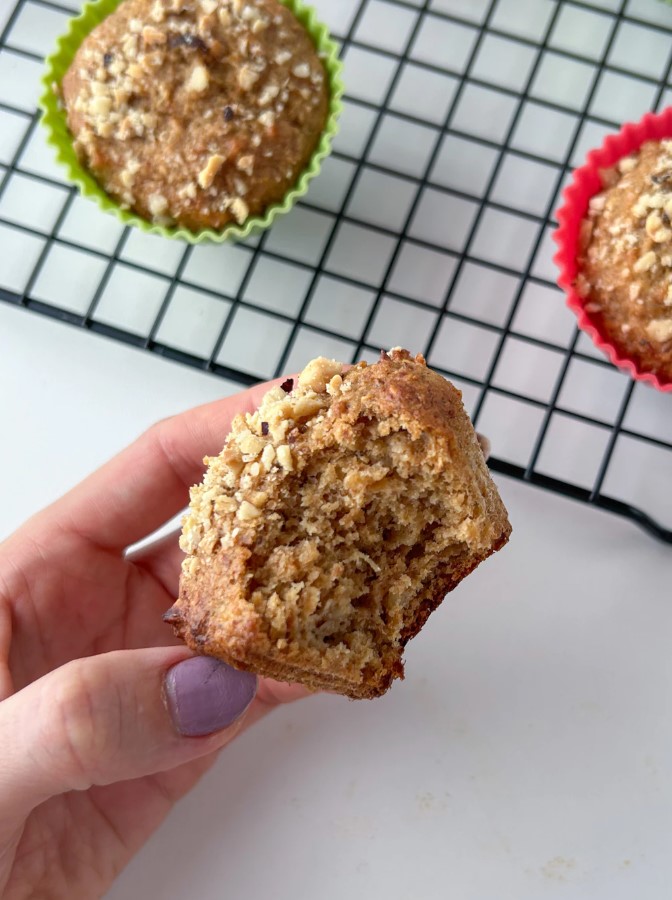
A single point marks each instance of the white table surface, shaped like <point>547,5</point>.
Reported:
<point>528,754</point>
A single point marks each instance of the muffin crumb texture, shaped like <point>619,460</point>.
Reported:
<point>625,258</point>
<point>197,113</point>
<point>332,524</point>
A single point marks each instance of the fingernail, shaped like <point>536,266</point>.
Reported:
<point>205,695</point>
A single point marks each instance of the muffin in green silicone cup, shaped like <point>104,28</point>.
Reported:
<point>193,119</point>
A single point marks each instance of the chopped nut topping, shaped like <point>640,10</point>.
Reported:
<point>157,13</point>
<point>198,80</point>
<point>284,455</point>
<point>334,385</point>
<point>644,263</point>
<point>188,190</point>
<point>190,566</point>
<point>157,204</point>
<point>246,164</point>
<point>268,457</point>
<point>653,223</point>
<point>130,47</point>
<point>660,330</point>
<point>240,209</point>
<point>207,175</point>
<point>240,186</point>
<point>247,511</point>
<point>301,70</point>
<point>250,444</point>
<point>282,57</point>
<point>153,36</point>
<point>306,406</point>
<point>247,77</point>
<point>318,373</point>
<point>209,541</point>
<point>597,203</point>
<point>649,201</point>
<point>268,95</point>
<point>100,106</point>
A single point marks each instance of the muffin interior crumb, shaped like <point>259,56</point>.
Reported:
<point>339,556</point>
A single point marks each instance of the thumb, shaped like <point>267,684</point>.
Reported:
<point>115,717</point>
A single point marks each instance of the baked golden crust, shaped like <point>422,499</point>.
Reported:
<point>196,112</point>
<point>625,258</point>
<point>333,523</point>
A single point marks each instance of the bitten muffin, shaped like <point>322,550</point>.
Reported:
<point>196,112</point>
<point>625,258</point>
<point>332,524</point>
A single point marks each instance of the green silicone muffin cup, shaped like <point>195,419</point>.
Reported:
<point>58,135</point>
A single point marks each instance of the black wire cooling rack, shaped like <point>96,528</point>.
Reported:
<point>429,227</point>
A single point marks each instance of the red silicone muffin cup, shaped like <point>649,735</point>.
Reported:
<point>585,184</point>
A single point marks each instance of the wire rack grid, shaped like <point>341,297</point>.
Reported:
<point>429,227</point>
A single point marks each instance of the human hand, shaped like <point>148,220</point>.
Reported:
<point>105,719</point>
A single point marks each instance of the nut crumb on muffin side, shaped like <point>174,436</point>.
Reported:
<point>625,258</point>
<point>196,112</point>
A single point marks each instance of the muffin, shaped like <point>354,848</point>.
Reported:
<point>624,275</point>
<point>332,524</point>
<point>196,113</point>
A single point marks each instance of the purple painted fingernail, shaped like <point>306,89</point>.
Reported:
<point>205,695</point>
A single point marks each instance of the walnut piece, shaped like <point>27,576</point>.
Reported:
<point>247,77</point>
<point>660,330</point>
<point>198,80</point>
<point>207,175</point>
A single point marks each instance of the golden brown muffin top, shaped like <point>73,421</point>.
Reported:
<point>625,257</point>
<point>199,112</point>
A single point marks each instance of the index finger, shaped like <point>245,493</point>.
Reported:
<point>146,484</point>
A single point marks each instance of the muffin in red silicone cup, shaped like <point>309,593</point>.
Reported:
<point>615,248</point>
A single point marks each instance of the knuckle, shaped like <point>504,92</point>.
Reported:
<point>81,723</point>
<point>166,442</point>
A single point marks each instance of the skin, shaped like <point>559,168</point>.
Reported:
<point>92,762</point>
